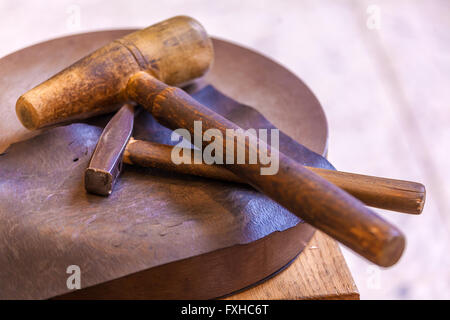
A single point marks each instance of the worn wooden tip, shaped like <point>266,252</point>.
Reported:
<point>398,195</point>
<point>422,195</point>
<point>384,193</point>
<point>392,250</point>
<point>27,114</point>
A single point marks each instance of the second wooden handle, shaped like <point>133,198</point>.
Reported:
<point>390,194</point>
<point>305,194</point>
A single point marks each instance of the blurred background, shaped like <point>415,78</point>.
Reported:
<point>381,70</point>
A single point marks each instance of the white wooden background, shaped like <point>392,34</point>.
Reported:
<point>380,68</point>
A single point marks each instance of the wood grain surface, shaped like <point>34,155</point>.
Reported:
<point>319,272</point>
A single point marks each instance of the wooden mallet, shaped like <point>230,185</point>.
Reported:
<point>142,66</point>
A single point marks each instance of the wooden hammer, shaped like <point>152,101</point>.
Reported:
<point>142,66</point>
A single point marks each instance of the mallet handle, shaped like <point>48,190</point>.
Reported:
<point>384,193</point>
<point>305,194</point>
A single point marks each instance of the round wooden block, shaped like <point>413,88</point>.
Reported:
<point>158,235</point>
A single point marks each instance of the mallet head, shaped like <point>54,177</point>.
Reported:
<point>174,51</point>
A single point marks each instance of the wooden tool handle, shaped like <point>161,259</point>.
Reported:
<point>390,194</point>
<point>156,155</point>
<point>305,194</point>
<point>383,193</point>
